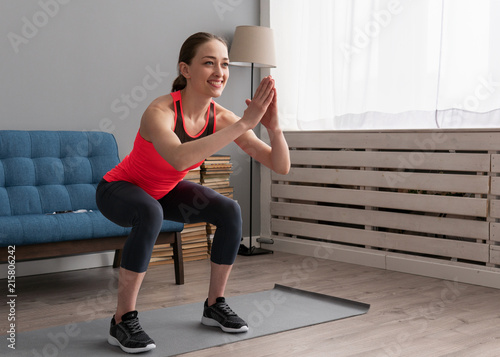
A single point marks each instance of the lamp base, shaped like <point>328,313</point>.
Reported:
<point>253,251</point>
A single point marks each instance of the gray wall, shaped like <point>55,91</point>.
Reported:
<point>97,64</point>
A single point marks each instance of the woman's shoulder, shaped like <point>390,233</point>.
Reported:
<point>164,103</point>
<point>162,107</point>
<point>158,115</point>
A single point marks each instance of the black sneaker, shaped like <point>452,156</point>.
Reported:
<point>221,315</point>
<point>129,335</point>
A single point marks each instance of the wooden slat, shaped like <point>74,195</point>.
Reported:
<point>468,206</point>
<point>495,209</point>
<point>401,221</point>
<point>389,179</point>
<point>402,242</point>
<point>495,185</point>
<point>495,254</point>
<point>383,159</point>
<point>423,140</point>
<point>495,231</point>
<point>495,162</point>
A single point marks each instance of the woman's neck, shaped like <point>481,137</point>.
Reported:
<point>194,106</point>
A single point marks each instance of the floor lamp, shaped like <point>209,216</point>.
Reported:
<point>252,46</point>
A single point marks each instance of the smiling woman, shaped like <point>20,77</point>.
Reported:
<point>210,65</point>
<point>188,51</point>
<point>178,131</point>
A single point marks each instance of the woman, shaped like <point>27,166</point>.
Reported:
<point>177,132</point>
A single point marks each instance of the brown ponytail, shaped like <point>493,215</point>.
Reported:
<point>188,51</point>
<point>179,83</point>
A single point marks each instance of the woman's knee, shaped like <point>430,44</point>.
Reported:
<point>231,211</point>
<point>150,214</point>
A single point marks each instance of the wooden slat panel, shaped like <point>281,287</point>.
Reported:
<point>495,231</point>
<point>431,140</point>
<point>389,179</point>
<point>425,245</point>
<point>495,254</point>
<point>468,206</point>
<point>382,158</point>
<point>408,160</point>
<point>495,185</point>
<point>402,221</point>
<point>495,208</point>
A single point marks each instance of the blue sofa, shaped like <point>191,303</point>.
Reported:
<point>48,181</point>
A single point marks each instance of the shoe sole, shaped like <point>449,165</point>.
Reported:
<point>213,323</point>
<point>113,341</point>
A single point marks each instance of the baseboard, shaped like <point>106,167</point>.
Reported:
<point>56,265</point>
<point>455,271</point>
<point>447,270</point>
<point>330,251</point>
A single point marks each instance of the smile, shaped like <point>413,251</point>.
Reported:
<point>216,84</point>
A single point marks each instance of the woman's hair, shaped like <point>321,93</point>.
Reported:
<point>188,51</point>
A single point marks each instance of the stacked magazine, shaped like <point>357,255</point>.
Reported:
<point>215,173</point>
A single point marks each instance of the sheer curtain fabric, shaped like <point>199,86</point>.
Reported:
<point>387,64</point>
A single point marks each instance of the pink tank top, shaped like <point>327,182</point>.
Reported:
<point>145,167</point>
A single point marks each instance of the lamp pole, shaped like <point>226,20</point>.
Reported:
<point>251,250</point>
<point>254,46</point>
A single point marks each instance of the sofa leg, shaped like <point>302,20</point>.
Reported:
<point>178,259</point>
<point>118,258</point>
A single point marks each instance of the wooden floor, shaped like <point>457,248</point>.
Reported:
<point>409,316</point>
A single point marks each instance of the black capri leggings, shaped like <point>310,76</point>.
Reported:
<point>130,206</point>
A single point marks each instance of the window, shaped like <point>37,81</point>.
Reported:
<point>387,64</point>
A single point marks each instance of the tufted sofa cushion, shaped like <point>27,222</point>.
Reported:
<point>42,172</point>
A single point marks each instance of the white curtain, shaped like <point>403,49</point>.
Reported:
<point>387,64</point>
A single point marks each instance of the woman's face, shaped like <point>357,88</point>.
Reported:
<point>209,69</point>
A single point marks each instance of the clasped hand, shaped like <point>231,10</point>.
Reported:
<point>263,107</point>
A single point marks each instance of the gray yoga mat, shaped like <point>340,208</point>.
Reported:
<point>178,329</point>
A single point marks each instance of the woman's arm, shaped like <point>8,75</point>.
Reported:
<point>277,156</point>
<point>156,126</point>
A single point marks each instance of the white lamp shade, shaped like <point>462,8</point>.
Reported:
<point>253,44</point>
